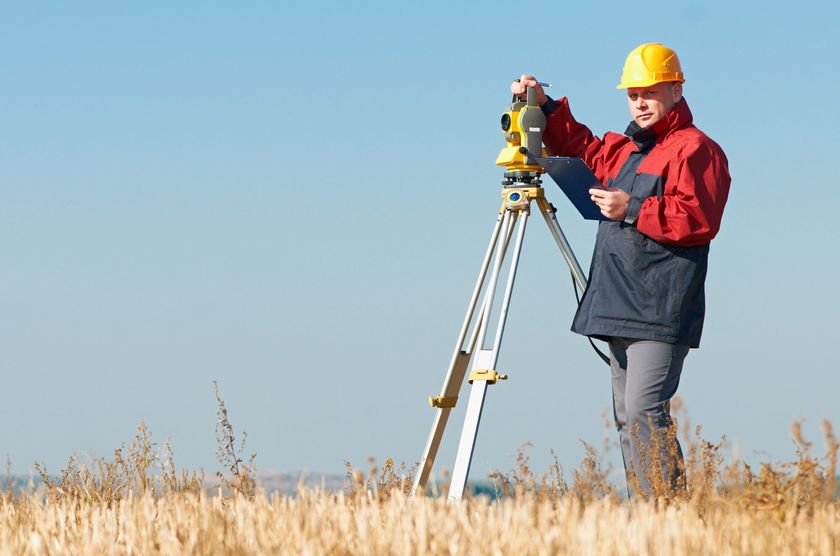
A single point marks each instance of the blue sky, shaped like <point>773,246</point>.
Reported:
<point>294,200</point>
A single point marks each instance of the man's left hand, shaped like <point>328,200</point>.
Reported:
<point>612,202</point>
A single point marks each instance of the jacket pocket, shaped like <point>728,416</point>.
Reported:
<point>645,276</point>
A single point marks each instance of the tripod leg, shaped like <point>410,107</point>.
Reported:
<point>488,300</point>
<point>459,362</point>
<point>557,232</point>
<point>485,360</point>
<point>490,294</point>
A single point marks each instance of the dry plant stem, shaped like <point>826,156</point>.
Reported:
<point>379,483</point>
<point>590,481</point>
<point>132,473</point>
<point>8,487</point>
<point>243,477</point>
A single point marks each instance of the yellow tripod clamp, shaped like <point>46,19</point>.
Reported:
<point>489,375</point>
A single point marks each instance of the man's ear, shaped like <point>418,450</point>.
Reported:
<point>677,90</point>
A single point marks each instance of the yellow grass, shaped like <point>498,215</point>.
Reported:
<point>138,504</point>
<point>319,523</point>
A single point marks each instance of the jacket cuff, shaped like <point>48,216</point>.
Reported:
<point>549,106</point>
<point>632,214</point>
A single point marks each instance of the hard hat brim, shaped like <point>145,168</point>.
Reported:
<point>647,83</point>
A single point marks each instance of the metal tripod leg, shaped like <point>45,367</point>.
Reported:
<point>460,359</point>
<point>548,213</point>
<point>485,361</point>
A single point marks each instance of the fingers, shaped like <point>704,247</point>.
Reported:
<point>605,210</point>
<point>604,200</point>
<point>519,87</point>
<point>597,196</point>
<point>528,80</point>
<point>612,203</point>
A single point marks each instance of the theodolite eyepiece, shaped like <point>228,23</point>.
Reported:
<point>505,121</point>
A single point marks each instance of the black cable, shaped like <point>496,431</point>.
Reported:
<point>600,353</point>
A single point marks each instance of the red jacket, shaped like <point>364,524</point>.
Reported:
<point>693,170</point>
<point>647,276</point>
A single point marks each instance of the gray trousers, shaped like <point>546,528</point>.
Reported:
<point>645,376</point>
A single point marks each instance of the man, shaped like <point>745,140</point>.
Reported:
<point>665,186</point>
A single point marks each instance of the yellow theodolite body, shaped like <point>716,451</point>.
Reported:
<point>522,126</point>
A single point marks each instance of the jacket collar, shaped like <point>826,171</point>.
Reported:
<point>678,118</point>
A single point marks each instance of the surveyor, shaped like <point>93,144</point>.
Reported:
<point>665,184</point>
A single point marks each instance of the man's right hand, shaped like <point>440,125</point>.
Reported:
<point>518,88</point>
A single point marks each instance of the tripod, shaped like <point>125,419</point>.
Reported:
<point>519,192</point>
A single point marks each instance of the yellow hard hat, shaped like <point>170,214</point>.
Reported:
<point>649,64</point>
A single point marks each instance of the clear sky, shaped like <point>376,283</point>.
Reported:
<point>294,198</point>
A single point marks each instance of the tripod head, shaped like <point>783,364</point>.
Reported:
<point>523,125</point>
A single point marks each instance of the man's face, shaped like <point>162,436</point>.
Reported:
<point>648,105</point>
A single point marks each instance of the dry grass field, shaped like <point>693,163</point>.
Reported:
<point>319,523</point>
<point>137,503</point>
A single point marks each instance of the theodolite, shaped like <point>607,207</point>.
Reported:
<point>523,125</point>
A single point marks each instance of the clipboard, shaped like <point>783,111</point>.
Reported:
<point>575,178</point>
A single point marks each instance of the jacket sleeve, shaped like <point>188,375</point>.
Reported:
<point>564,136</point>
<point>690,213</point>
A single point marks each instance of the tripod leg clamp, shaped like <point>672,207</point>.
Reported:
<point>489,375</point>
<point>443,401</point>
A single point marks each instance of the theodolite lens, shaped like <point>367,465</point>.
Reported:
<point>505,122</point>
